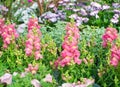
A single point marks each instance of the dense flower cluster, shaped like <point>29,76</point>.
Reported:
<point>115,55</point>
<point>70,47</point>
<point>33,41</point>
<point>31,68</point>
<point>52,17</point>
<point>109,36</point>
<point>8,33</point>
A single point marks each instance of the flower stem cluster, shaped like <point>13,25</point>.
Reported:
<point>33,39</point>
<point>70,47</point>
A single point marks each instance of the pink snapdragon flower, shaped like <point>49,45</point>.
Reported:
<point>9,34</point>
<point>109,36</point>
<point>33,23</point>
<point>70,47</point>
<point>115,55</point>
<point>33,39</point>
<point>32,69</point>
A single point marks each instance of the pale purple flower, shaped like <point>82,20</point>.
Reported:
<point>64,4</point>
<point>50,15</point>
<point>85,20</point>
<point>94,13</point>
<point>51,5</point>
<point>79,22</point>
<point>6,78</point>
<point>95,4</point>
<point>117,11</point>
<point>88,8</point>
<point>76,10</point>
<point>105,7</point>
<point>60,2</point>
<point>4,8</point>
<point>53,19</point>
<point>115,21</point>
<point>48,78</point>
<point>83,12</point>
<point>55,9</point>
<point>35,83</point>
<point>66,0</point>
<point>116,5</point>
<point>74,16</point>
<point>116,16</point>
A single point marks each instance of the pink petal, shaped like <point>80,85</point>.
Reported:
<point>48,78</point>
<point>6,78</point>
<point>35,83</point>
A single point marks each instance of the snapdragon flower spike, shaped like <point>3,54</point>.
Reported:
<point>33,42</point>
<point>70,47</point>
<point>9,34</point>
<point>109,36</point>
<point>115,55</point>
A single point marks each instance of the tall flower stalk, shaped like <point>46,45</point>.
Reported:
<point>70,51</point>
<point>33,47</point>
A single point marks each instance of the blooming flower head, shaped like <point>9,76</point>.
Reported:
<point>33,23</point>
<point>33,46</point>
<point>109,36</point>
<point>115,55</point>
<point>70,49</point>
<point>9,34</point>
